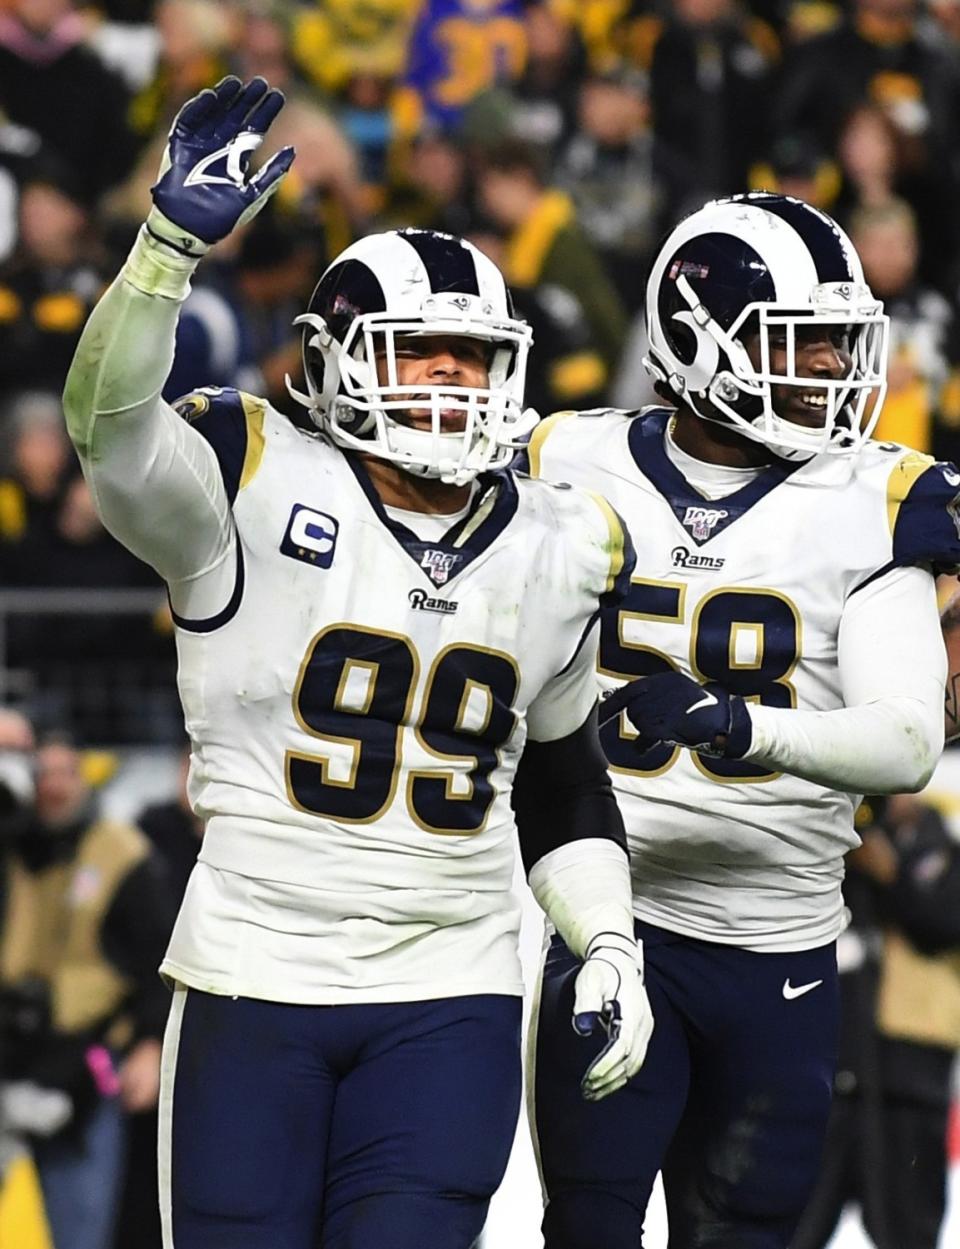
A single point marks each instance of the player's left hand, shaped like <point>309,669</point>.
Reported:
<point>671,707</point>
<point>609,995</point>
<point>204,189</point>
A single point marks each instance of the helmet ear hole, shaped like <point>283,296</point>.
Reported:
<point>313,364</point>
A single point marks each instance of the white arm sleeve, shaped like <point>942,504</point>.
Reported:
<point>584,889</point>
<point>155,480</point>
<point>888,736</point>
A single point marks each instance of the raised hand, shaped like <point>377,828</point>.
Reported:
<point>203,190</point>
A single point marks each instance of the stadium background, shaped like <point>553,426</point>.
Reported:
<point>562,136</point>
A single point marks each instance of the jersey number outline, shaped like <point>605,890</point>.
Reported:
<point>356,687</point>
<point>725,618</point>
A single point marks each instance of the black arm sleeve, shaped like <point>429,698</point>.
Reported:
<point>562,793</point>
<point>134,935</point>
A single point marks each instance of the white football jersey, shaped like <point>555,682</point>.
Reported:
<point>746,590</point>
<point>357,713</point>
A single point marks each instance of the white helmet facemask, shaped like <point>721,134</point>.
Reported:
<point>363,406</point>
<point>851,404</point>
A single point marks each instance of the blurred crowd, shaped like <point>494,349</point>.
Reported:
<point>561,136</point>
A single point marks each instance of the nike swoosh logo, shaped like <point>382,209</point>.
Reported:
<point>789,992</point>
<point>707,701</point>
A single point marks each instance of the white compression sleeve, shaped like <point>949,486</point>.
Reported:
<point>155,481</point>
<point>888,736</point>
<point>584,888</point>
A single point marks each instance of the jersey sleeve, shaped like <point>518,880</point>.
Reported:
<point>888,735</point>
<point>923,511</point>
<point>604,545</point>
<point>618,557</point>
<point>532,455</point>
<point>232,423</point>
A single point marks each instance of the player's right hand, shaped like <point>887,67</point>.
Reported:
<point>203,190</point>
<point>609,995</point>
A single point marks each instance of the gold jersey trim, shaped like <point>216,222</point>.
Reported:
<point>901,481</point>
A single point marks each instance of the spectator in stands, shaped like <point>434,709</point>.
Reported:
<point>53,84</point>
<point>900,1031</point>
<point>49,531</point>
<point>432,191</point>
<point>87,915</point>
<point>51,538</point>
<point>262,44</point>
<point>876,54</point>
<point>921,409</point>
<point>626,183</point>
<point>49,283</point>
<point>275,273</point>
<point>24,1106</point>
<point>39,465</point>
<point>876,166</point>
<point>796,165</point>
<point>195,40</point>
<point>215,343</point>
<point>943,19</point>
<point>545,244</point>
<point>725,58</point>
<point>565,370</point>
<point>324,190</point>
<point>540,107</point>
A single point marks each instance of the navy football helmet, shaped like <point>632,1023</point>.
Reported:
<point>401,283</point>
<point>765,264</point>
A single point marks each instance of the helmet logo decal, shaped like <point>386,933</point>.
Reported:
<point>342,307</point>
<point>688,269</point>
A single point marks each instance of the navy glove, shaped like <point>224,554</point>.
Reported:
<point>203,191</point>
<point>671,707</point>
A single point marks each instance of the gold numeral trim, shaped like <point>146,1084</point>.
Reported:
<point>323,761</point>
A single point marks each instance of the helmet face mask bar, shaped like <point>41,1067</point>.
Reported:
<point>776,268</point>
<point>852,403</point>
<point>354,393</point>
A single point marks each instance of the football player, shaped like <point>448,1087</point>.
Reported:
<point>381,634</point>
<point>778,653</point>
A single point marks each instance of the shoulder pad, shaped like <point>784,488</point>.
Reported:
<point>534,445</point>
<point>549,424</point>
<point>232,422</point>
<point>923,511</point>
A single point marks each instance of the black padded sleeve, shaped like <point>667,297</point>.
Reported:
<point>562,793</point>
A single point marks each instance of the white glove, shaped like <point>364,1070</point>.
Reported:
<point>609,993</point>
